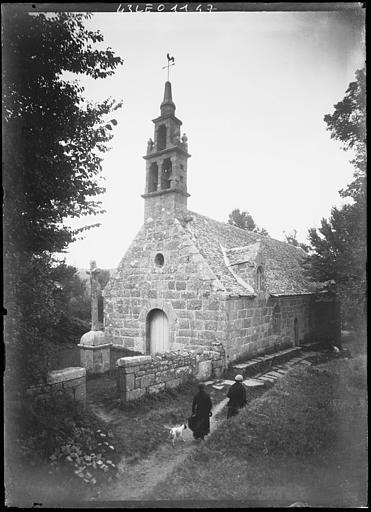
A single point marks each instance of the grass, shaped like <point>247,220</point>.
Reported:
<point>138,426</point>
<point>304,440</point>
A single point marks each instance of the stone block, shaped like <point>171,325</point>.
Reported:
<point>187,333</point>
<point>184,323</point>
<point>134,394</point>
<point>194,304</point>
<point>156,388</point>
<point>182,340</point>
<point>133,361</point>
<point>173,383</point>
<point>204,370</point>
<point>217,364</point>
<point>129,382</point>
<point>211,325</point>
<point>147,380</point>
<point>179,304</point>
<point>189,294</point>
<point>185,313</point>
<point>213,305</point>
<point>218,372</point>
<point>66,374</point>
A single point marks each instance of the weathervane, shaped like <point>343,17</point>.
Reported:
<point>169,59</point>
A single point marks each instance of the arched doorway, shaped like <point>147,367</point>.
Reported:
<point>296,332</point>
<point>157,332</point>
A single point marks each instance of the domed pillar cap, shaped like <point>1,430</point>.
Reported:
<point>93,339</point>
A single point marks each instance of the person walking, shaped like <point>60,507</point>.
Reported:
<point>201,412</point>
<point>237,397</point>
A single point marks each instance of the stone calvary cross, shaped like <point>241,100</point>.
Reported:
<point>169,59</point>
<point>94,271</point>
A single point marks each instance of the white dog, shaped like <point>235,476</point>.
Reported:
<point>176,432</point>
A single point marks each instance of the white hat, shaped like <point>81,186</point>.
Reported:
<point>238,377</point>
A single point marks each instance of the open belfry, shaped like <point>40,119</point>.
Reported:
<point>188,281</point>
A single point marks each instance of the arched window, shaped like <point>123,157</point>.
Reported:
<point>161,137</point>
<point>276,319</point>
<point>153,177</point>
<point>259,278</point>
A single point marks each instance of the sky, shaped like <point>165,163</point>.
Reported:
<point>251,89</point>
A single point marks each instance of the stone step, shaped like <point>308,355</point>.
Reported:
<point>252,366</point>
<point>253,382</point>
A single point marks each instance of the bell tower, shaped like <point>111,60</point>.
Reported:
<point>166,164</point>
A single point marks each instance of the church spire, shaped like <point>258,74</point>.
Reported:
<point>166,169</point>
<point>167,106</point>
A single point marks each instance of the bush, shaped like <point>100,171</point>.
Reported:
<point>68,439</point>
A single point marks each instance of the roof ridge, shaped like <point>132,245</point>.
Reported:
<point>258,235</point>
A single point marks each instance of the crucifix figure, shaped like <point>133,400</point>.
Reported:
<point>169,60</point>
<point>94,271</point>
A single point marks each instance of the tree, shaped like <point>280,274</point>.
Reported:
<point>244,220</point>
<point>52,138</point>
<point>347,124</point>
<point>52,152</point>
<point>291,238</point>
<point>339,246</point>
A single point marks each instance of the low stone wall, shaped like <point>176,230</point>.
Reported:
<point>118,351</point>
<point>69,380</point>
<point>141,375</point>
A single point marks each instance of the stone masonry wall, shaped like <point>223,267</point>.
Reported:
<point>250,325</point>
<point>69,380</point>
<point>185,288</point>
<point>141,375</point>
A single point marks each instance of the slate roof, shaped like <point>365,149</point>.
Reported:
<point>224,246</point>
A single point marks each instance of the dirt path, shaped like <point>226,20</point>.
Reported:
<point>137,480</point>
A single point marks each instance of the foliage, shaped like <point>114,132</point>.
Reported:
<point>347,124</point>
<point>69,440</point>
<point>292,239</point>
<point>244,220</point>
<point>52,136</point>
<point>338,255</point>
<point>52,151</point>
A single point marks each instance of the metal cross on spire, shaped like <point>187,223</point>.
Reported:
<point>169,60</point>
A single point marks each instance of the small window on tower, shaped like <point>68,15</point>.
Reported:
<point>259,278</point>
<point>161,137</point>
<point>153,177</point>
<point>159,259</point>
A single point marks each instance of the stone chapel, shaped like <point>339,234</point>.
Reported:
<point>187,281</point>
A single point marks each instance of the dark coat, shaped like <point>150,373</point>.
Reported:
<point>237,398</point>
<point>201,408</point>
